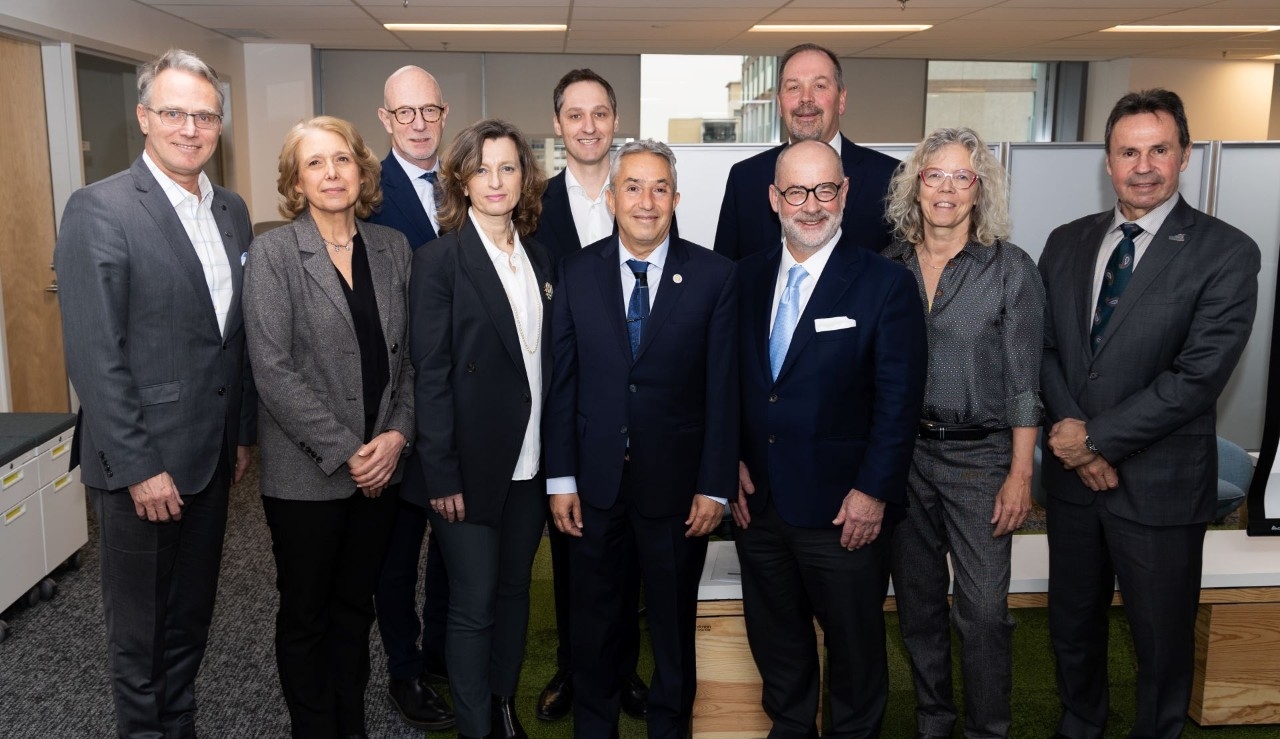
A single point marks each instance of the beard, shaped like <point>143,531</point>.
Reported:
<point>808,240</point>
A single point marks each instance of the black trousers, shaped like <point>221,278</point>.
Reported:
<point>790,575</point>
<point>159,581</point>
<point>328,554</point>
<point>562,578</point>
<point>670,566</point>
<point>489,601</point>
<point>1158,570</point>
<point>397,595</point>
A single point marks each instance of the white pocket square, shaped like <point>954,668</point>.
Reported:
<point>834,323</point>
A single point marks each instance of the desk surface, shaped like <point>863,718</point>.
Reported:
<point>1232,559</point>
<point>20,432</point>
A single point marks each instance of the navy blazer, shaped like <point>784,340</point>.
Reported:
<point>844,411</point>
<point>675,403</point>
<point>748,223</point>
<point>401,209</point>
<point>1148,393</point>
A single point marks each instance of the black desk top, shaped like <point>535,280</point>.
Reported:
<point>20,432</point>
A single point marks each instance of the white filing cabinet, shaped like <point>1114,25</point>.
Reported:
<point>43,521</point>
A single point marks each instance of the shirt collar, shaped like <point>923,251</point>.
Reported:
<point>833,143</point>
<point>657,257</point>
<point>1151,222</point>
<point>816,261</point>
<point>497,255</point>
<point>572,185</point>
<point>172,190</point>
<point>414,171</point>
<point>904,252</point>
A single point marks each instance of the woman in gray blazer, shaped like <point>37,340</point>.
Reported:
<point>481,305</point>
<point>325,319</point>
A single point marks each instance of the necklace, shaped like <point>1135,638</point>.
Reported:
<point>338,246</point>
<point>920,252</point>
<point>537,336</point>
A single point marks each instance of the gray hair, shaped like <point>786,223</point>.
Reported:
<point>990,216</point>
<point>644,146</point>
<point>183,61</point>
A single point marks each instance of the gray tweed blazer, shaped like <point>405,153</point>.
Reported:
<point>303,350</point>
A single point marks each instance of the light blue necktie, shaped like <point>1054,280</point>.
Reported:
<point>638,306</point>
<point>784,324</point>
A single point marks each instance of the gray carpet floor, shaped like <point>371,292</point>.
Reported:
<point>53,667</point>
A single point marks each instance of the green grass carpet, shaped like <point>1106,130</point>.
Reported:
<point>1035,699</point>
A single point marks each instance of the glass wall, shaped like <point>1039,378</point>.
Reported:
<point>996,99</point>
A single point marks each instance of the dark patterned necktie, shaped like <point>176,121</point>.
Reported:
<point>638,306</point>
<point>1114,281</point>
<point>428,176</point>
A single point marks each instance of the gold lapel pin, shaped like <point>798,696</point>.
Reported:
<point>676,278</point>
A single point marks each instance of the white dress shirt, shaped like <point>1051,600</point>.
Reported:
<point>196,215</point>
<point>426,191</point>
<point>521,286</point>
<point>591,218</point>
<point>1150,223</point>
<point>813,265</point>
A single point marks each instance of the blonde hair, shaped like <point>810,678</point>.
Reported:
<point>370,197</point>
<point>990,216</point>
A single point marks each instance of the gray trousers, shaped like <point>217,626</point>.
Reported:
<point>952,487</point>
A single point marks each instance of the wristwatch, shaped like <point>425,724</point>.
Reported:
<point>1088,444</point>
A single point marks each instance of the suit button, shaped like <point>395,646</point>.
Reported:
<point>222,390</point>
<point>471,366</point>
<point>632,388</point>
<point>302,445</point>
<point>224,346</point>
<point>395,348</point>
<point>773,397</point>
<point>308,450</point>
<point>772,438</point>
<point>319,460</point>
<point>525,397</point>
<point>1093,375</point>
<point>622,430</point>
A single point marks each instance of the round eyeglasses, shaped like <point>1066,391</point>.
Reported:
<point>796,195</point>
<point>405,115</point>
<point>961,179</point>
<point>178,118</point>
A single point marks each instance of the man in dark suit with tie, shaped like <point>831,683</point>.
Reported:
<point>149,261</point>
<point>811,99</point>
<point>833,363</point>
<point>574,212</point>
<point>1149,308</point>
<point>640,434</point>
<point>413,111</point>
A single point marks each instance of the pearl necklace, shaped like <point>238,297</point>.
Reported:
<point>537,337</point>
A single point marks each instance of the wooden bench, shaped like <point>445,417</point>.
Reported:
<point>1237,678</point>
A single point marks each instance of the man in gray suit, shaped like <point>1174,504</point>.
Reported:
<point>149,261</point>
<point>1149,308</point>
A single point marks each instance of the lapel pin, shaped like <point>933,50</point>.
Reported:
<point>676,278</point>
<point>1178,237</point>
<point>546,290</point>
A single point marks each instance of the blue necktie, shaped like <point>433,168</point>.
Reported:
<point>1114,281</point>
<point>428,176</point>
<point>638,306</point>
<point>784,324</point>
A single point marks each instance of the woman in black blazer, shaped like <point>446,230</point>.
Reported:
<point>480,307</point>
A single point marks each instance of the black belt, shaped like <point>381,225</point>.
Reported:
<point>941,432</point>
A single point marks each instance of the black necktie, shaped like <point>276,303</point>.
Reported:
<point>1114,281</point>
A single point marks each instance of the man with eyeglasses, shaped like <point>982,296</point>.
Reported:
<point>833,357</point>
<point>149,263</point>
<point>811,99</point>
<point>413,112</point>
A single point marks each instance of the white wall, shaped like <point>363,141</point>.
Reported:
<point>1229,101</point>
<point>278,84</point>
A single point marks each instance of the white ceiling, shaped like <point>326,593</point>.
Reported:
<point>1032,30</point>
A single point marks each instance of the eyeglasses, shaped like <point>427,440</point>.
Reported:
<point>961,179</point>
<point>178,118</point>
<point>796,195</point>
<point>430,114</point>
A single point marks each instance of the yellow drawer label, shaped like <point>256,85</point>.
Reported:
<point>13,477</point>
<point>14,514</point>
<point>59,450</point>
<point>62,482</point>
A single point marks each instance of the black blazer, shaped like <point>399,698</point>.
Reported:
<point>401,209</point>
<point>676,402</point>
<point>748,223</point>
<point>471,391</point>
<point>1149,393</point>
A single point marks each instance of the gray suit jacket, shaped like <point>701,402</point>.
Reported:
<point>1148,394</point>
<point>302,345</point>
<point>160,387</point>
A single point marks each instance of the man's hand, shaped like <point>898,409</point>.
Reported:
<point>1098,475</point>
<point>242,464</point>
<point>1013,503</point>
<point>704,515</point>
<point>373,464</point>
<point>860,515</point>
<point>1066,441</point>
<point>741,512</point>
<point>566,511</point>
<point>155,499</point>
<point>450,507</point>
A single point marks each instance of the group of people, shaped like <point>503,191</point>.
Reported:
<point>858,372</point>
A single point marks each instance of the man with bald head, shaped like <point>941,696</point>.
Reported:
<point>832,356</point>
<point>413,111</point>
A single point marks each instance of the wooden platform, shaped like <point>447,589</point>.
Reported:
<point>1237,634</point>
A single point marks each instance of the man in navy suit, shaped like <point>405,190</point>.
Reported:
<point>833,367</point>
<point>574,212</point>
<point>1150,304</point>
<point>640,435</point>
<point>811,99</point>
<point>413,111</point>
